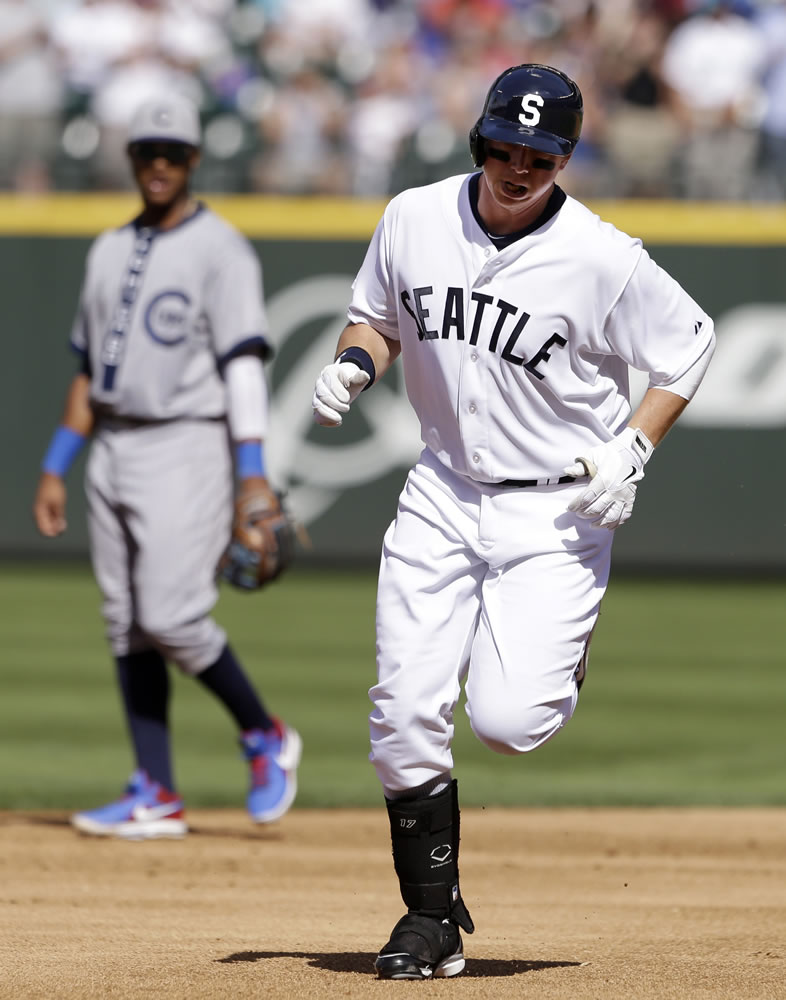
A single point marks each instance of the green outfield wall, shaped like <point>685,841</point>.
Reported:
<point>715,493</point>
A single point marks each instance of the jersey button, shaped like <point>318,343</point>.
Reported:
<point>487,251</point>
<point>473,356</point>
<point>473,408</point>
<point>476,458</point>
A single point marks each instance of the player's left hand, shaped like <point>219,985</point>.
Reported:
<point>263,537</point>
<point>615,467</point>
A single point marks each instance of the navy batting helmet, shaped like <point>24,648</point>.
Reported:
<point>530,105</point>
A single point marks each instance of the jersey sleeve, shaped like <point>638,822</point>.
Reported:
<point>79,339</point>
<point>80,328</point>
<point>235,303</point>
<point>655,326</point>
<point>373,298</point>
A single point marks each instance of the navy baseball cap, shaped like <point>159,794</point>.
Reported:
<point>166,119</point>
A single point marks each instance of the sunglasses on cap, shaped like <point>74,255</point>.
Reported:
<point>176,153</point>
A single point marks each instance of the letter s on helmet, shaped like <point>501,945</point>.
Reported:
<point>530,105</point>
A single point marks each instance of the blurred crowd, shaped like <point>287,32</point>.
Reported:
<point>683,98</point>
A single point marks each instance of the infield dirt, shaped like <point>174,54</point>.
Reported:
<point>569,904</point>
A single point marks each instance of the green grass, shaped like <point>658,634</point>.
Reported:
<point>684,702</point>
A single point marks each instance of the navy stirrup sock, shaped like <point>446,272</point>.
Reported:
<point>144,684</point>
<point>229,683</point>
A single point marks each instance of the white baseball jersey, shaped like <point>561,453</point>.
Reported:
<point>162,311</point>
<point>516,359</point>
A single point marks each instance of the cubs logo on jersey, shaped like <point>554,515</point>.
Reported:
<point>166,317</point>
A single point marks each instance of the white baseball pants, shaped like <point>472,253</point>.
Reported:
<point>499,588</point>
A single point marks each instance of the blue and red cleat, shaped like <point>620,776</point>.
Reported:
<point>273,757</point>
<point>145,811</point>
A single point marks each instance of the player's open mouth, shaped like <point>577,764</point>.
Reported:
<point>516,190</point>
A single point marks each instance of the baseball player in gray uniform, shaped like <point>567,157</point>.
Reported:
<point>517,313</point>
<point>171,332</point>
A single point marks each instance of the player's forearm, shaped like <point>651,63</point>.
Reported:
<point>382,350</point>
<point>247,399</point>
<point>657,412</point>
<point>68,439</point>
<point>77,412</point>
<point>247,415</point>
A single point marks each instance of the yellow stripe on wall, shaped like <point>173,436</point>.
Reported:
<point>259,217</point>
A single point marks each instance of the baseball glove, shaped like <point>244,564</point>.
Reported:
<point>263,538</point>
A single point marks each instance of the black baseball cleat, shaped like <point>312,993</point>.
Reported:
<point>421,948</point>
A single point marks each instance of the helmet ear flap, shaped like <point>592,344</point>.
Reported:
<point>477,145</point>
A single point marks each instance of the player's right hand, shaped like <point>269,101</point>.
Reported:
<point>49,505</point>
<point>338,386</point>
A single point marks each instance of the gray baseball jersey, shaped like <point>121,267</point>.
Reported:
<point>161,312</point>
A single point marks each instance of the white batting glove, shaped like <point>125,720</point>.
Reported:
<point>615,468</point>
<point>338,386</point>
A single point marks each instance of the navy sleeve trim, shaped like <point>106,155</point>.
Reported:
<point>85,368</point>
<point>253,345</point>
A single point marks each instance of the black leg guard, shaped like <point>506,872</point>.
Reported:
<point>425,835</point>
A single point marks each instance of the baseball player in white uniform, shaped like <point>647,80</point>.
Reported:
<point>171,332</point>
<point>517,313</point>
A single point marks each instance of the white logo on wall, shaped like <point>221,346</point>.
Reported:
<point>530,104</point>
<point>317,464</point>
<point>745,384</point>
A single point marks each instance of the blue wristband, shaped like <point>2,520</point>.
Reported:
<point>65,445</point>
<point>360,357</point>
<point>249,459</point>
